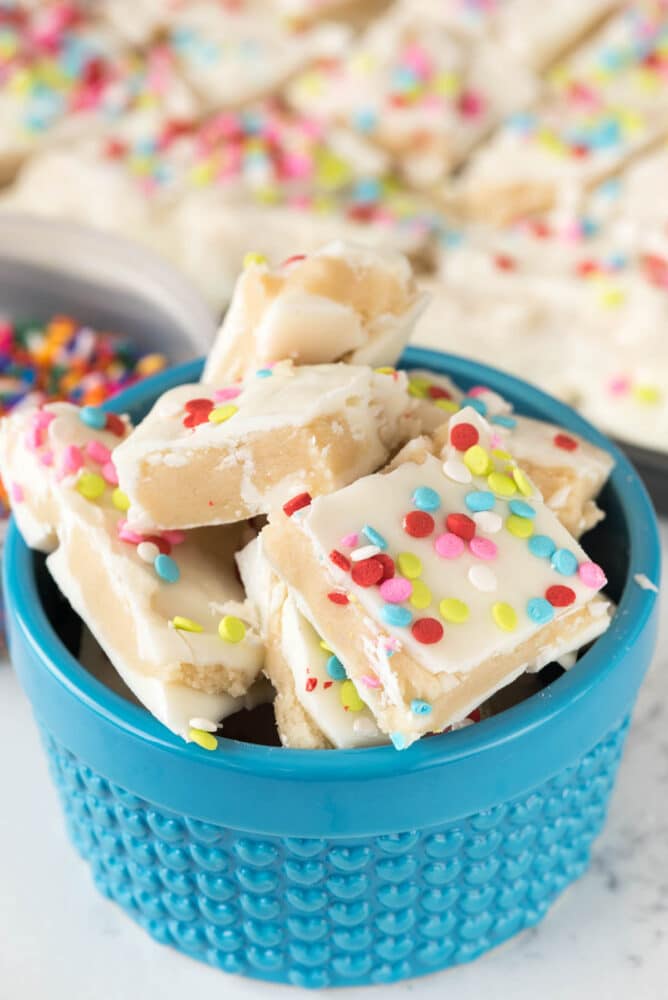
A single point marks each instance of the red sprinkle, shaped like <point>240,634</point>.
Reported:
<point>301,500</point>
<point>565,441</point>
<point>340,560</point>
<point>311,683</point>
<point>388,566</point>
<point>427,630</point>
<point>475,715</point>
<point>560,596</point>
<point>197,412</point>
<point>114,424</point>
<point>336,597</point>
<point>461,525</point>
<point>327,684</point>
<point>464,436</point>
<point>418,524</point>
<point>505,262</point>
<point>436,392</point>
<point>367,572</point>
<point>293,260</point>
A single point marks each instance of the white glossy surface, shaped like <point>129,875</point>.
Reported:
<point>607,939</point>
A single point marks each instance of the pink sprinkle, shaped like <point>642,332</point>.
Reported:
<point>98,452</point>
<point>483,548</point>
<point>350,541</point>
<point>127,535</point>
<point>34,438</point>
<point>418,59</point>
<point>109,473</point>
<point>229,392</point>
<point>592,575</point>
<point>43,418</point>
<point>495,440</point>
<point>175,536</point>
<point>477,390</point>
<point>471,104</point>
<point>17,493</point>
<point>396,590</point>
<point>370,682</point>
<point>46,458</point>
<point>449,546</point>
<point>619,385</point>
<point>72,459</point>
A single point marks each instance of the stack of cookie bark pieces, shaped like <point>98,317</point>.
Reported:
<point>387,549</point>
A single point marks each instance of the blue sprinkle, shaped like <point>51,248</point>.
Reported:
<point>478,500</point>
<point>420,707</point>
<point>367,190</point>
<point>374,536</point>
<point>540,611</point>
<point>425,498</point>
<point>564,562</point>
<point>504,421</point>
<point>522,509</point>
<point>394,614</point>
<point>365,120</point>
<point>166,568</point>
<point>93,416</point>
<point>451,238</point>
<point>336,669</point>
<point>588,227</point>
<point>476,403</point>
<point>263,372</point>
<point>399,741</point>
<point>541,546</point>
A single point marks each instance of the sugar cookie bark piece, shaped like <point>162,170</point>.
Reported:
<point>606,104</point>
<point>444,581</point>
<point>343,303</point>
<point>178,707</point>
<point>249,446</point>
<point>569,471</point>
<point>167,605</point>
<point>236,53</point>
<point>421,92</point>
<point>316,704</point>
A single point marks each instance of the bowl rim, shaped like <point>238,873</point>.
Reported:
<point>634,612</point>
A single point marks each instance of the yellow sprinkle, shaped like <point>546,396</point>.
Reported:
<point>611,296</point>
<point>501,484</point>
<point>350,698</point>
<point>231,629</point>
<point>150,364</point>
<point>421,596</point>
<point>448,405</point>
<point>254,258</point>
<point>385,370</point>
<point>477,460</point>
<point>522,482</point>
<point>418,387</point>
<point>521,527</point>
<point>202,173</point>
<point>185,624</point>
<point>504,616</point>
<point>648,394</point>
<point>203,739</point>
<point>91,485</point>
<point>503,456</point>
<point>120,500</point>
<point>409,565</point>
<point>326,646</point>
<point>454,611</point>
<point>222,413</point>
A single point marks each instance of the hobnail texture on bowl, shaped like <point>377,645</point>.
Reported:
<point>334,868</point>
<point>325,912</point>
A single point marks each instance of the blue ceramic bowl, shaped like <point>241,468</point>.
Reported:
<point>332,868</point>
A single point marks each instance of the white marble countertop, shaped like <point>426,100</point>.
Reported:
<point>608,937</point>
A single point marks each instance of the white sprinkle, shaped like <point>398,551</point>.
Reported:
<point>204,724</point>
<point>148,551</point>
<point>454,469</point>
<point>645,582</point>
<point>364,552</point>
<point>482,578</point>
<point>489,521</point>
